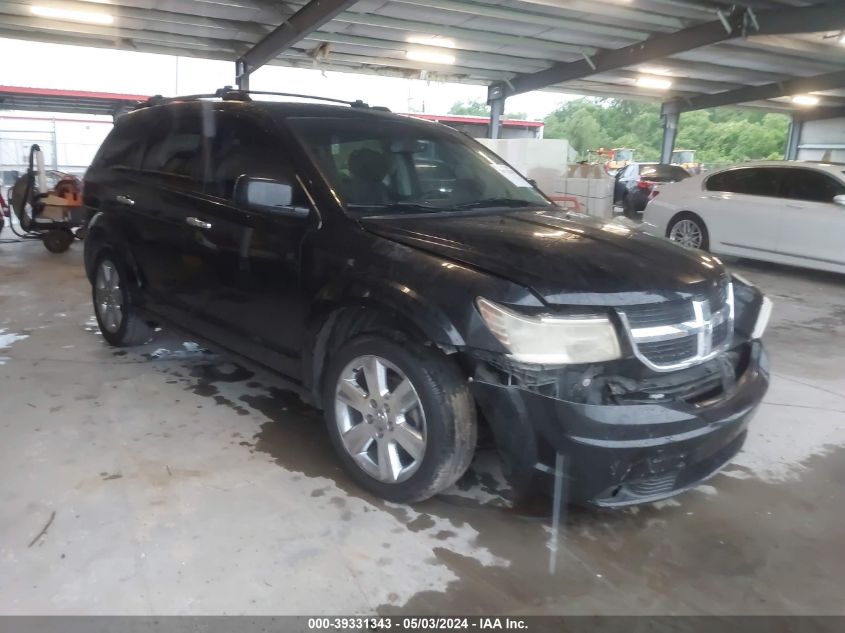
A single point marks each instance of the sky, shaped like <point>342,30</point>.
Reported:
<point>41,65</point>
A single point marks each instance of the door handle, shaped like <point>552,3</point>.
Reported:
<point>129,202</point>
<point>200,224</point>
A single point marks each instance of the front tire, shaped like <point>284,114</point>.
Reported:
<point>689,230</point>
<point>400,417</point>
<point>119,321</point>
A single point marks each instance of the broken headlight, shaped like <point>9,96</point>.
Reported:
<point>752,306</point>
<point>551,339</point>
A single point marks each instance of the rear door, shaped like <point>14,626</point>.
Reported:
<point>743,209</point>
<point>813,225</point>
<point>164,208</point>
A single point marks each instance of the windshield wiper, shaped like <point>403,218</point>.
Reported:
<point>495,202</point>
<point>396,207</point>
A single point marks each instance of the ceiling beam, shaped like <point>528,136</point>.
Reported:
<point>732,24</point>
<point>801,85</point>
<point>306,20</point>
<point>594,25</point>
<point>818,114</point>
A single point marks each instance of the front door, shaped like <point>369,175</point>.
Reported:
<point>813,225</point>
<point>744,210</point>
<point>249,248</point>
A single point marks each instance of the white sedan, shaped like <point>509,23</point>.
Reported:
<point>788,212</point>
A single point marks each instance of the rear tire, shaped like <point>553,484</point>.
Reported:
<point>689,230</point>
<point>419,416</point>
<point>119,321</point>
<point>628,207</point>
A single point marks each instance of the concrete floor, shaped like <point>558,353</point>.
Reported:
<point>165,480</point>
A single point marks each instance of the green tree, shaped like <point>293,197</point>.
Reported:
<point>723,135</point>
<point>476,107</point>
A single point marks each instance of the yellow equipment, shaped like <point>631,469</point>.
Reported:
<point>686,158</point>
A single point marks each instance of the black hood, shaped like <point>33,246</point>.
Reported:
<point>564,258</point>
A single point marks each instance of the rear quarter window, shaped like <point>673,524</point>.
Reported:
<point>124,145</point>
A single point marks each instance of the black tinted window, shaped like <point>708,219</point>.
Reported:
<point>177,147</point>
<point>663,173</point>
<point>753,181</point>
<point>399,166</point>
<point>124,145</point>
<point>243,146</point>
<point>811,185</point>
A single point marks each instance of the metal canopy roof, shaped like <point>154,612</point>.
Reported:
<point>495,41</point>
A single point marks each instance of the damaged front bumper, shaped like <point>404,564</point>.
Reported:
<point>638,443</point>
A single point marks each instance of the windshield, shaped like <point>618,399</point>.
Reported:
<point>388,167</point>
<point>682,157</point>
<point>624,154</point>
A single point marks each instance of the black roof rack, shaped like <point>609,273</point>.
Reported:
<point>228,93</point>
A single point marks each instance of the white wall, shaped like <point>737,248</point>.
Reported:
<point>68,142</point>
<point>819,137</point>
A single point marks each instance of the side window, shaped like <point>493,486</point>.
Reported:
<point>178,148</point>
<point>812,186</point>
<point>752,181</point>
<point>245,147</point>
<point>723,181</point>
<point>123,147</point>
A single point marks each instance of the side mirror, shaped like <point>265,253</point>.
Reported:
<point>269,194</point>
<point>840,200</point>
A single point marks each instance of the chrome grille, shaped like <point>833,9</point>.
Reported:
<point>675,335</point>
<point>671,351</point>
<point>659,313</point>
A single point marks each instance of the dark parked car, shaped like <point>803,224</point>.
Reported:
<point>637,183</point>
<point>412,285</point>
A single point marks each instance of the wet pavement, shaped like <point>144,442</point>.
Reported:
<point>165,479</point>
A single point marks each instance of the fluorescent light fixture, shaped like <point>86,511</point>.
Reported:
<point>805,100</point>
<point>658,83</point>
<point>92,17</point>
<point>429,56</point>
<point>431,40</point>
<point>655,70</point>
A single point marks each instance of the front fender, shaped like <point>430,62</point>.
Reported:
<point>408,303</point>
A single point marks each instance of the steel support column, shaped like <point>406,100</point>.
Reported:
<point>242,75</point>
<point>496,101</point>
<point>670,133</point>
<point>796,126</point>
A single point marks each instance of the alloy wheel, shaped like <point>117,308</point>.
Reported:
<point>109,296</point>
<point>380,419</point>
<point>687,233</point>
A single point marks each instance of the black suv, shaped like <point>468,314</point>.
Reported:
<point>413,286</point>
